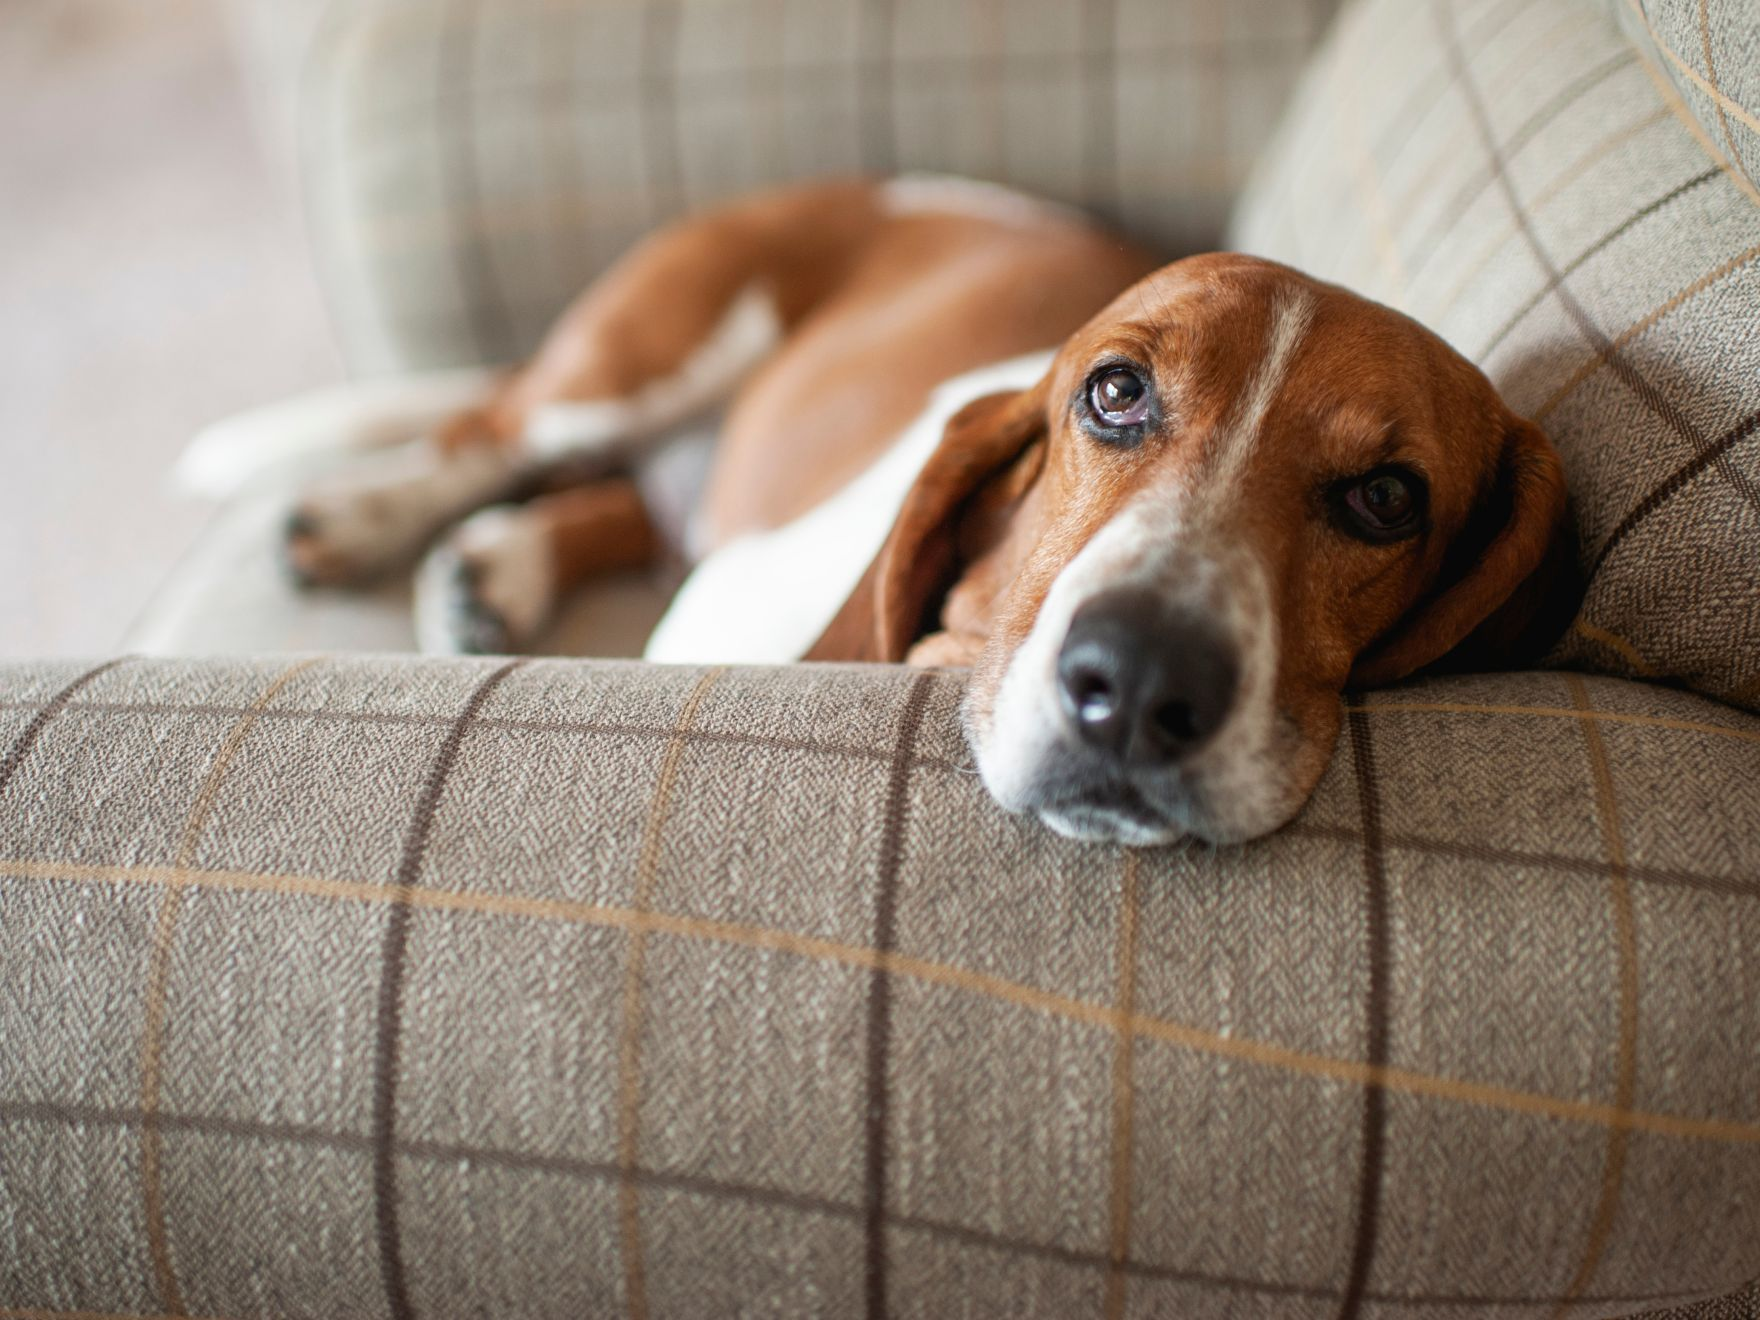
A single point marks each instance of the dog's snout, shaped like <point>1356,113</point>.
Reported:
<point>1142,681</point>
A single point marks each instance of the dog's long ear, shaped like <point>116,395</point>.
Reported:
<point>891,606</point>
<point>1512,590</point>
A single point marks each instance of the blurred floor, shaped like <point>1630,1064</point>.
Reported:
<point>152,278</point>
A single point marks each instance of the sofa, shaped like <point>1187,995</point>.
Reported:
<point>341,982</point>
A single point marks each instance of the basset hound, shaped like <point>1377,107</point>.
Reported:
<point>1165,514</point>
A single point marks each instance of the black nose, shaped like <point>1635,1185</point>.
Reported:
<point>1143,681</point>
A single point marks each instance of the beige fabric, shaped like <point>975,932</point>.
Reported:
<point>470,166</point>
<point>1517,176</point>
<point>365,987</point>
<point>1710,51</point>
<point>231,594</point>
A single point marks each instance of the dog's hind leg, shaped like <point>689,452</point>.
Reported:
<point>670,331</point>
<point>494,581</point>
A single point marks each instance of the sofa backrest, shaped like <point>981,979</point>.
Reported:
<point>468,168</point>
<point>1527,181</point>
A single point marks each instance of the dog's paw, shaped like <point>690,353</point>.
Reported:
<point>377,515</point>
<point>488,588</point>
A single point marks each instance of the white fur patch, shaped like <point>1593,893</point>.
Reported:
<point>495,567</point>
<point>1289,323</point>
<point>766,598</point>
<point>270,444</point>
<point>748,332</point>
<point>948,194</point>
<point>1229,789</point>
<point>378,511</point>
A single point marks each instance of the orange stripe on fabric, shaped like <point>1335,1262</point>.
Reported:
<point>1729,137</point>
<point>1605,354</point>
<point>1469,276</point>
<point>1617,644</point>
<point>158,975</point>
<point>1266,1054</point>
<point>1626,953</point>
<point>1671,97</point>
<point>629,1057</point>
<point>1724,104</point>
<point>1123,1092</point>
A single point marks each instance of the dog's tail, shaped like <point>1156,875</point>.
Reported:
<point>274,444</point>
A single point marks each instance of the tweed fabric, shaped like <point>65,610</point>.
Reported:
<point>470,166</point>
<point>358,987</point>
<point>1710,51</point>
<point>1520,178</point>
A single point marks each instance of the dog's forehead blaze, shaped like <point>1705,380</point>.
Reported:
<point>1359,385</point>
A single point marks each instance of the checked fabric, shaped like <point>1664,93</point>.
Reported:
<point>344,987</point>
<point>1575,212</point>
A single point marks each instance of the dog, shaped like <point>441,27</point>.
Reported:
<point>1165,514</point>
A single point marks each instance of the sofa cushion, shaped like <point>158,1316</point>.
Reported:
<point>231,595</point>
<point>1527,182</point>
<point>469,168</point>
<point>1710,51</point>
<point>454,988</point>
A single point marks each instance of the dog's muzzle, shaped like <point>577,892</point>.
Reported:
<point>1141,684</point>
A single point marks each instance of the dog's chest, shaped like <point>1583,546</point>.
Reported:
<point>765,598</point>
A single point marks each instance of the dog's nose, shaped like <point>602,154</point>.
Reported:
<point>1143,681</point>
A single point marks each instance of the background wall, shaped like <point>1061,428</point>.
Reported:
<point>152,278</point>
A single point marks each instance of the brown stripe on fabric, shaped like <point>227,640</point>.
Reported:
<point>1346,95</point>
<point>1375,1012</point>
<point>1699,80</point>
<point>389,1028</point>
<point>1606,351</point>
<point>1671,97</point>
<point>1737,886</point>
<point>876,92</point>
<point>1449,216</point>
<point>891,853</point>
<point>1429,90</point>
<point>1553,189</point>
<point>747,1193</point>
<point>1563,273</point>
<point>316,79</point>
<point>1626,960</point>
<point>485,303</point>
<point>1672,485</point>
<point>629,1053</point>
<point>1641,325</point>
<point>27,739</point>
<point>44,1313</point>
<point>605,728</point>
<point>1718,98</point>
<point>1100,107</point>
<point>158,979</point>
<point>1555,713</point>
<point>1199,1040</point>
<point>661,29</point>
<point>1123,1093</point>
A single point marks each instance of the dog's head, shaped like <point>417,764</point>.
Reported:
<point>1236,492</point>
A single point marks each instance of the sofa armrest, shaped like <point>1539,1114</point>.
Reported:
<point>337,985</point>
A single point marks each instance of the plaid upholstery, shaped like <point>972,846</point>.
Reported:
<point>1711,53</point>
<point>1519,177</point>
<point>358,987</point>
<point>470,166</point>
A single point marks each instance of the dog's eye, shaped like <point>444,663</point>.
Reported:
<point>1385,505</point>
<point>1118,396</point>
